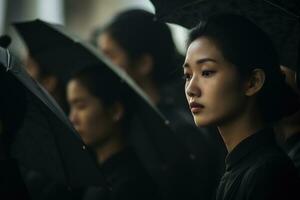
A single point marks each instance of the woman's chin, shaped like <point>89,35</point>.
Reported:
<point>202,122</point>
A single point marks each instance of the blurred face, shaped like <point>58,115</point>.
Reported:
<point>138,68</point>
<point>32,68</point>
<point>94,123</point>
<point>212,86</point>
<point>113,51</point>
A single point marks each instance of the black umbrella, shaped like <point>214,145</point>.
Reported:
<point>162,154</point>
<point>46,141</point>
<point>278,18</point>
<point>44,42</point>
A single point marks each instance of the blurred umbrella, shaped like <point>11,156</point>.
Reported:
<point>43,42</point>
<point>278,18</point>
<point>46,141</point>
<point>162,154</point>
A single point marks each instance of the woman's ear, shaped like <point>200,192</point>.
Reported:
<point>255,82</point>
<point>117,112</point>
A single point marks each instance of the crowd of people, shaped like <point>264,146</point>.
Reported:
<point>235,113</point>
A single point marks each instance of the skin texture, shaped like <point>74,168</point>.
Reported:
<point>227,101</point>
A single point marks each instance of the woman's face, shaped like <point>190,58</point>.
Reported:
<point>113,51</point>
<point>213,88</point>
<point>90,118</point>
<point>138,68</point>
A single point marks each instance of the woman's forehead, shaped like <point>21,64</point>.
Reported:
<point>203,48</point>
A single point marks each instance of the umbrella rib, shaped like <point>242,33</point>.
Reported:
<point>8,60</point>
<point>282,9</point>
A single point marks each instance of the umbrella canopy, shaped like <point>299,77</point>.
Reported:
<point>278,18</point>
<point>165,158</point>
<point>46,141</point>
<point>42,42</point>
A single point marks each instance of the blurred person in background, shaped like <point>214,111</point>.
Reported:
<point>144,49</point>
<point>288,129</point>
<point>48,76</point>
<point>99,114</point>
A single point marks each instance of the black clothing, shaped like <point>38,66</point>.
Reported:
<point>258,169</point>
<point>125,177</point>
<point>205,153</point>
<point>41,187</point>
<point>292,148</point>
<point>11,182</point>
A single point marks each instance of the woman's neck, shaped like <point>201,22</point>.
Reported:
<point>112,146</point>
<point>240,128</point>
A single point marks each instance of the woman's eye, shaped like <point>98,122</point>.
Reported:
<point>80,106</point>
<point>186,77</point>
<point>208,73</point>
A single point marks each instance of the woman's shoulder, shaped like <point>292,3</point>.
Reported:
<point>271,161</point>
<point>272,176</point>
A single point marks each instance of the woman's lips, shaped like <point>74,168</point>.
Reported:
<point>196,107</point>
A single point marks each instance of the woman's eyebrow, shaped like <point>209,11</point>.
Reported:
<point>204,60</point>
<point>200,61</point>
<point>77,100</point>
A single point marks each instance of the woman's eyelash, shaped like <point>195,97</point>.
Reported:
<point>208,73</point>
<point>186,77</point>
<point>204,73</point>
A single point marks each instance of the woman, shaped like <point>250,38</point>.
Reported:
<point>101,116</point>
<point>233,81</point>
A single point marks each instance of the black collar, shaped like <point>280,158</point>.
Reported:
<point>249,146</point>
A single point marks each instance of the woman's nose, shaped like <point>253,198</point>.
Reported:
<point>192,88</point>
<point>72,117</point>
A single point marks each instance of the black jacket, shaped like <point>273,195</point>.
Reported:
<point>125,177</point>
<point>258,169</point>
<point>11,182</point>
